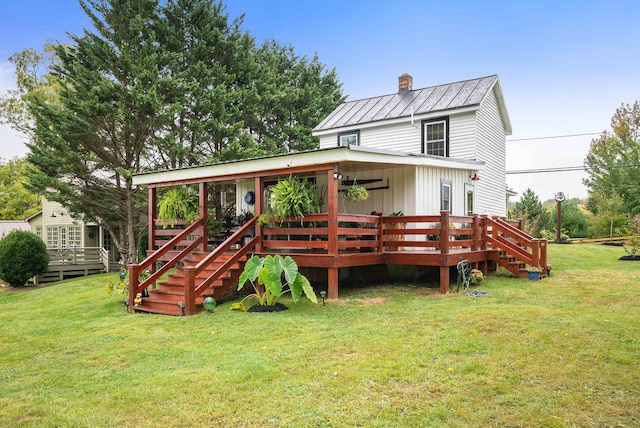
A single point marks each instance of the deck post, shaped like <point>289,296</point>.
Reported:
<point>153,213</point>
<point>475,225</point>
<point>332,229</point>
<point>535,253</point>
<point>381,233</point>
<point>189,287</point>
<point>202,201</point>
<point>444,279</point>
<point>543,256</point>
<point>134,272</point>
<point>444,233</point>
<point>258,187</point>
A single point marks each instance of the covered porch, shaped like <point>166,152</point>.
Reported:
<point>329,240</point>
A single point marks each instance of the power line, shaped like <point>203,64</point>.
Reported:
<point>567,169</point>
<point>557,136</point>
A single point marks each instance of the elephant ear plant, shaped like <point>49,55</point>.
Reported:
<point>271,278</point>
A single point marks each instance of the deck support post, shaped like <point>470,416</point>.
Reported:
<point>134,272</point>
<point>258,187</point>
<point>332,229</point>
<point>153,214</point>
<point>444,279</point>
<point>332,285</point>
<point>202,200</point>
<point>189,288</point>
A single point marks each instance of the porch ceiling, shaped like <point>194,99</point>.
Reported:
<point>345,158</point>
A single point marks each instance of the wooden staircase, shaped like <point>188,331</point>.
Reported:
<point>169,297</point>
<point>198,273</point>
<point>516,249</point>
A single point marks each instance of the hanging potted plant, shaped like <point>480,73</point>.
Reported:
<point>356,193</point>
<point>178,203</point>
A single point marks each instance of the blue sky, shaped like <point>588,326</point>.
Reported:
<point>564,66</point>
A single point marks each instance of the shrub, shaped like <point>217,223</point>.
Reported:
<point>22,256</point>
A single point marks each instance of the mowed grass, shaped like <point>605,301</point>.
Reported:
<point>560,352</point>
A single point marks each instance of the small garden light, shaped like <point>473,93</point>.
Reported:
<point>323,294</point>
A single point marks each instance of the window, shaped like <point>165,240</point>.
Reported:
<point>469,191</point>
<point>52,236</point>
<point>445,195</point>
<point>39,231</point>
<point>435,137</point>
<point>351,138</point>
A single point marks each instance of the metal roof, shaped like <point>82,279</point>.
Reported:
<point>467,93</point>
<point>7,226</point>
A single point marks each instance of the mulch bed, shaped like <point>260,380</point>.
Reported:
<point>630,257</point>
<point>264,308</point>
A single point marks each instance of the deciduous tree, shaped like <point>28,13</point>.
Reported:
<point>613,161</point>
<point>16,201</point>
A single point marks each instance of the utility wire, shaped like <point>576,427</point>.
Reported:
<point>567,168</point>
<point>557,136</point>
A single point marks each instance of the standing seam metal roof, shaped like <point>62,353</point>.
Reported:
<point>449,96</point>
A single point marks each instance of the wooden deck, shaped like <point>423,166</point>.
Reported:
<point>73,262</point>
<point>351,240</point>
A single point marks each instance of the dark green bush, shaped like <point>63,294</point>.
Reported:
<point>22,255</point>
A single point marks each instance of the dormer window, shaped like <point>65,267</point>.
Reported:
<point>435,137</point>
<point>351,138</point>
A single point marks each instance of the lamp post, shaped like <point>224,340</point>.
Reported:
<point>559,199</point>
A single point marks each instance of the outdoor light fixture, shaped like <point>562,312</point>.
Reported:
<point>53,214</point>
<point>323,294</point>
<point>182,308</point>
<point>337,175</point>
<point>474,177</point>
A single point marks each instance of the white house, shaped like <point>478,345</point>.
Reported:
<point>458,128</point>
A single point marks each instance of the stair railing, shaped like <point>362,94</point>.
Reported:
<point>135,286</point>
<point>515,242</point>
<point>191,291</point>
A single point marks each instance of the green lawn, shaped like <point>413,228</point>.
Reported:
<point>564,351</point>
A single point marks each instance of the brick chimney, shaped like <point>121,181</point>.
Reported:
<point>405,83</point>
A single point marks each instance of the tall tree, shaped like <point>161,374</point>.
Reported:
<point>613,161</point>
<point>16,202</point>
<point>87,146</point>
<point>32,80</point>
<point>535,217</point>
<point>296,93</point>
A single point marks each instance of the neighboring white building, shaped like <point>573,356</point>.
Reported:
<point>458,123</point>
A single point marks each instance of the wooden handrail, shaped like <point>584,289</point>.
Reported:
<point>221,249</point>
<point>135,269</point>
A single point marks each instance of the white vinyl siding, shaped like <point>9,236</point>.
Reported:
<point>462,136</point>
<point>398,197</point>
<point>429,186</point>
<point>490,189</point>
<point>399,137</point>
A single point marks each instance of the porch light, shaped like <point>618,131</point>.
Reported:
<point>337,175</point>
<point>474,177</point>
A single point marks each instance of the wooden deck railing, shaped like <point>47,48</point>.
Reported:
<point>181,244</point>
<point>504,236</point>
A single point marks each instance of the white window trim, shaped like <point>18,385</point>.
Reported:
<point>342,135</point>
<point>444,141</point>
<point>445,183</point>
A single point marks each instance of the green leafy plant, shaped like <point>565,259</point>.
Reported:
<point>22,256</point>
<point>178,203</point>
<point>356,193</point>
<point>293,197</point>
<point>271,278</point>
<point>530,268</point>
